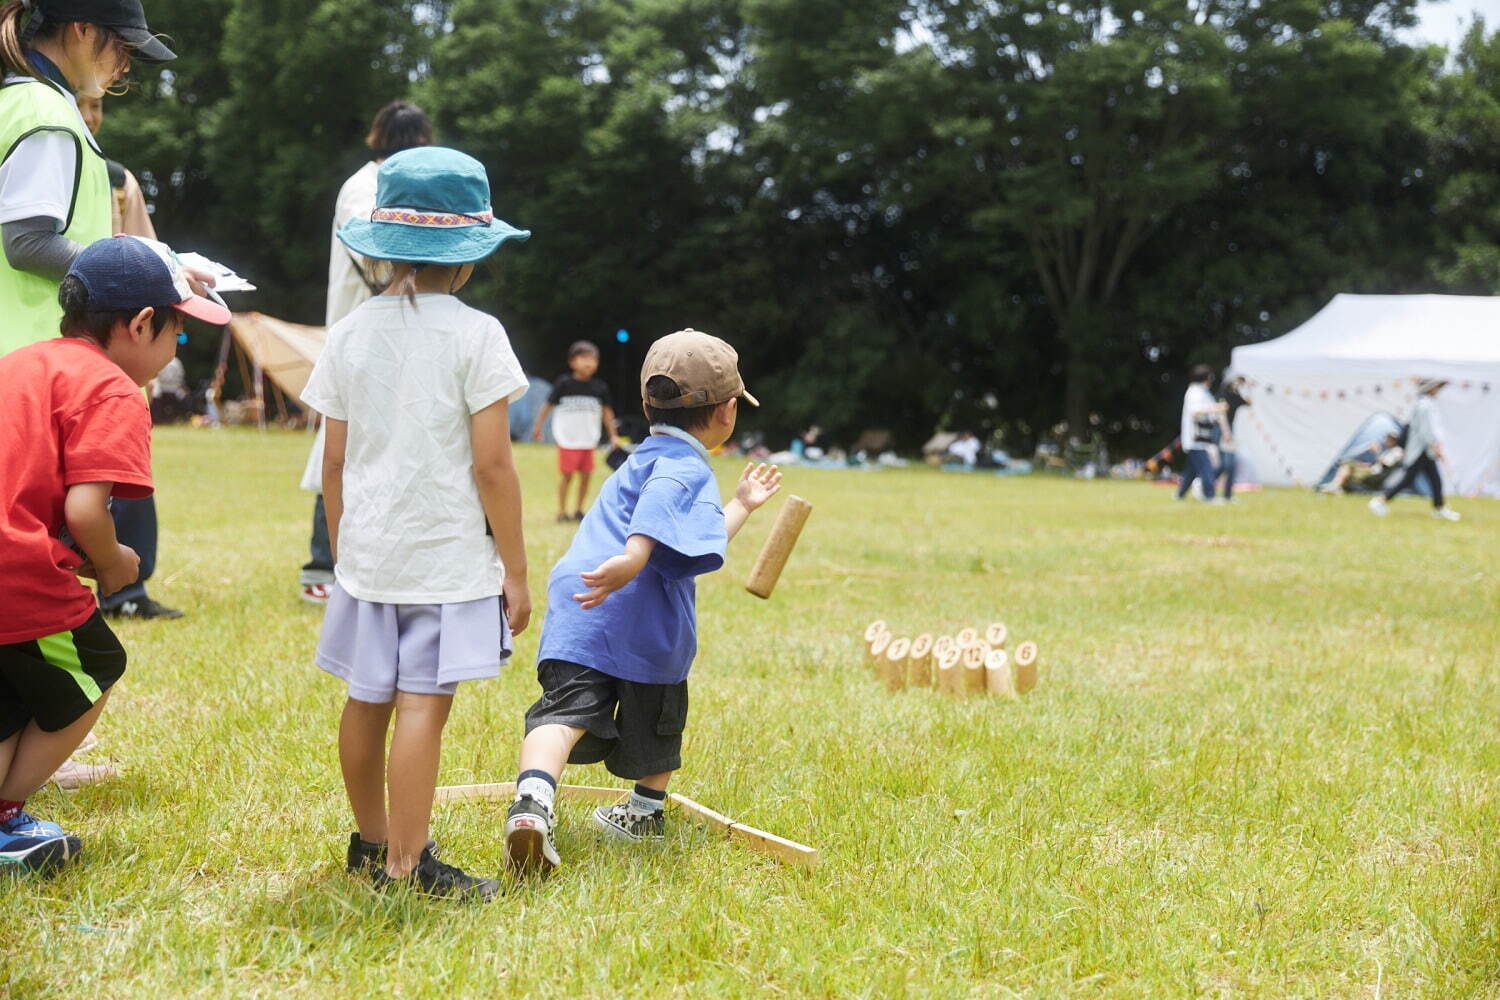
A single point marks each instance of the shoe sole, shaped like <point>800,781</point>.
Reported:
<point>526,850</point>
<point>44,858</point>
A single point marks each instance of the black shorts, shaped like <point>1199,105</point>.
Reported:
<point>55,680</point>
<point>635,729</point>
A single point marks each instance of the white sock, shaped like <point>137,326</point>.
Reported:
<point>540,789</point>
<point>643,805</point>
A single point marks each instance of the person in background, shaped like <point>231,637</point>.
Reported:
<point>965,448</point>
<point>1200,419</point>
<point>579,407</point>
<point>135,520</point>
<point>1424,450</point>
<point>1232,398</point>
<point>1368,466</point>
<point>352,280</point>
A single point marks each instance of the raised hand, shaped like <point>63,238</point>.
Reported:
<point>758,483</point>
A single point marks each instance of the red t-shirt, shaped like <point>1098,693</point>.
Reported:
<point>68,415</point>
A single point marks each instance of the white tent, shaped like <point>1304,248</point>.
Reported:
<point>1310,389</point>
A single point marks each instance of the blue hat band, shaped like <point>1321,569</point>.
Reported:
<point>425,218</point>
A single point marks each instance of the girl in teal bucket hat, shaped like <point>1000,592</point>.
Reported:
<point>415,387</point>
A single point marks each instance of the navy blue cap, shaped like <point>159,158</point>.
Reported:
<point>125,17</point>
<point>130,273</point>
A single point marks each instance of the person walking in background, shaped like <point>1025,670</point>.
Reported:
<point>1232,399</point>
<point>579,407</point>
<point>353,280</point>
<point>1200,417</point>
<point>1424,450</point>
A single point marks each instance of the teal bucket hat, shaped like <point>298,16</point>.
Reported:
<point>432,207</point>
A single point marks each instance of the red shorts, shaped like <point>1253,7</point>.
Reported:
<point>571,460</point>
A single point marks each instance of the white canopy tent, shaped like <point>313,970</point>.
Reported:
<point>1311,388</point>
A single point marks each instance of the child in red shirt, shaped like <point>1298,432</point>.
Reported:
<point>74,431</point>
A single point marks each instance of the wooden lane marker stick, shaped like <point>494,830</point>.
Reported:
<point>893,664</point>
<point>787,851</point>
<point>1027,658</point>
<point>997,677</point>
<point>875,628</point>
<point>876,649</point>
<point>966,637</point>
<point>507,790</point>
<point>973,663</point>
<point>779,545</point>
<point>950,672</point>
<point>995,634</point>
<point>919,662</point>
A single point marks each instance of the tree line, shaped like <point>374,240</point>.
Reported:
<point>907,214</point>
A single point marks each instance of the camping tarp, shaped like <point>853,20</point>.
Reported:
<point>1310,389</point>
<point>1372,434</point>
<point>286,352</point>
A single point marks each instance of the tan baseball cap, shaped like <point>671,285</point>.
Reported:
<point>705,368</point>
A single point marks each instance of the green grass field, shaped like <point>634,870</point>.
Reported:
<point>1262,761</point>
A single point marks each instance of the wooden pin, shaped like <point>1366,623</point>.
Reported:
<point>1027,659</point>
<point>997,676</point>
<point>995,634</point>
<point>876,649</point>
<point>875,628</point>
<point>950,672</point>
<point>966,636</point>
<point>778,547</point>
<point>974,656</point>
<point>893,664</point>
<point>919,662</point>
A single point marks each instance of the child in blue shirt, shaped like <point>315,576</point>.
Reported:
<point>621,627</point>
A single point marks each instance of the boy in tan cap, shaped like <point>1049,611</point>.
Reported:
<point>621,627</point>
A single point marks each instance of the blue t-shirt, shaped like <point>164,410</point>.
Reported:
<point>647,631</point>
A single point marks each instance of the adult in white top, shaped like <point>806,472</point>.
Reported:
<point>1199,417</point>
<point>352,281</point>
<point>1424,450</point>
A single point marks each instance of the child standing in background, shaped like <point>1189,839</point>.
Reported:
<point>416,388</point>
<point>579,407</point>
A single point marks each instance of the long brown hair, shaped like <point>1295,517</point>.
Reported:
<point>13,44</point>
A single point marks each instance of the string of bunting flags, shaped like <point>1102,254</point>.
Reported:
<point>1376,389</point>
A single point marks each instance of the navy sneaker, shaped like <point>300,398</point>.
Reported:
<point>364,856</point>
<point>529,844</point>
<point>28,844</point>
<point>620,822</point>
<point>433,878</point>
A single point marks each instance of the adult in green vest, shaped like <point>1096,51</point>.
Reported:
<point>54,183</point>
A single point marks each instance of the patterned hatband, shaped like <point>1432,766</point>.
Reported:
<point>431,220</point>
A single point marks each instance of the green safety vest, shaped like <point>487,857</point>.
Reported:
<point>28,302</point>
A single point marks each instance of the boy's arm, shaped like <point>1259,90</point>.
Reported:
<point>86,511</point>
<point>500,493</point>
<point>335,443</point>
<point>758,483</point>
<point>609,423</point>
<point>616,572</point>
<point>541,421</point>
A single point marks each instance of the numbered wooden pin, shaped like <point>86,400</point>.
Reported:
<point>893,664</point>
<point>973,659</point>
<point>997,676</point>
<point>875,628</point>
<point>1027,659</point>
<point>950,672</point>
<point>919,662</point>
<point>995,634</point>
<point>877,648</point>
<point>966,637</point>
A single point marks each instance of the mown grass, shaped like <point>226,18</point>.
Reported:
<point>1262,761</point>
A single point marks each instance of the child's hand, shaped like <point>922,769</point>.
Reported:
<point>758,483</point>
<point>536,434</point>
<point>517,597</point>
<point>119,574</point>
<point>611,575</point>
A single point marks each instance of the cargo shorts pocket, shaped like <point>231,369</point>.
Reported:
<point>674,710</point>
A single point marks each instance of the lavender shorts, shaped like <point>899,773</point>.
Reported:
<point>379,649</point>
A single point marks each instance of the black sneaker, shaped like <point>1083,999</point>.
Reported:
<point>434,878</point>
<point>578,515</point>
<point>146,607</point>
<point>620,822</point>
<point>529,844</point>
<point>365,856</point>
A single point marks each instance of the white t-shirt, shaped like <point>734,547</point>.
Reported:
<point>37,178</point>
<point>965,449</point>
<point>1197,398</point>
<point>347,289</point>
<point>407,379</point>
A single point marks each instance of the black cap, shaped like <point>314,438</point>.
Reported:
<point>127,18</point>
